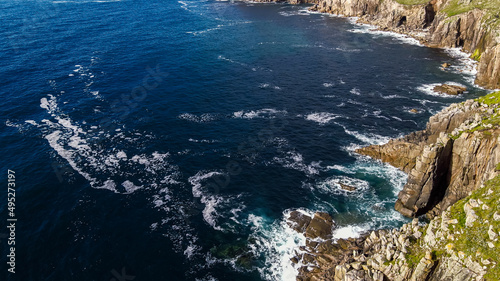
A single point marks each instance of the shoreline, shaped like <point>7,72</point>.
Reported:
<point>431,23</point>
<point>413,252</point>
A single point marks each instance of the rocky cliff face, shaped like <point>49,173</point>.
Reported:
<point>436,23</point>
<point>460,244</point>
<point>429,23</point>
<point>457,152</point>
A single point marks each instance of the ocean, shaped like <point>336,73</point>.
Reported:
<point>169,140</point>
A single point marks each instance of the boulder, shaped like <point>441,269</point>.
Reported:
<point>347,187</point>
<point>320,226</point>
<point>298,221</point>
<point>450,89</point>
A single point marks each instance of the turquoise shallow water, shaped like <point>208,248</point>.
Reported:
<point>168,140</point>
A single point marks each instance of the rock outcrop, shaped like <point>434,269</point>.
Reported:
<point>447,248</point>
<point>450,89</point>
<point>457,152</point>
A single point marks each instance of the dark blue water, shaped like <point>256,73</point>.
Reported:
<point>165,140</point>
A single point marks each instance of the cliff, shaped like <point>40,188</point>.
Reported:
<point>460,244</point>
<point>453,165</point>
<point>472,25</point>
<point>456,153</point>
<point>454,177</point>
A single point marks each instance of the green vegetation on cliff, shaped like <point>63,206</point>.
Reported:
<point>492,120</point>
<point>475,240</point>
<point>491,7</point>
<point>474,244</point>
<point>412,2</point>
<point>491,99</point>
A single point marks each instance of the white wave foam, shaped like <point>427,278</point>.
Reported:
<point>202,118</point>
<point>294,160</point>
<point>130,186</point>
<point>367,207</point>
<point>368,138</point>
<point>466,66</point>
<point>303,12</point>
<point>207,186</point>
<point>322,117</point>
<point>364,165</point>
<point>217,27</point>
<point>388,97</point>
<point>333,185</point>
<point>278,243</point>
<point>98,164</point>
<point>373,30</point>
<point>269,86</point>
<point>202,141</point>
<point>355,91</point>
<point>350,231</point>
<point>429,89</point>
<point>261,113</point>
<point>328,85</point>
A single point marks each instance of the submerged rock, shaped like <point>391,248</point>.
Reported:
<point>347,187</point>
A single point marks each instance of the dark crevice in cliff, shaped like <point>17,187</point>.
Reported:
<point>430,14</point>
<point>433,269</point>
<point>441,177</point>
<point>402,21</point>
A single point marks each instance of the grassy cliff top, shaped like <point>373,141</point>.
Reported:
<point>491,7</point>
<point>412,2</point>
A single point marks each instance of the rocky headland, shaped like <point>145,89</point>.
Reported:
<point>456,153</point>
<point>472,25</point>
<point>453,165</point>
<point>454,178</point>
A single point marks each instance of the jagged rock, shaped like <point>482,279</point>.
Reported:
<point>423,268</point>
<point>492,234</point>
<point>440,169</point>
<point>496,216</point>
<point>298,221</point>
<point>347,187</point>
<point>446,65</point>
<point>449,89</point>
<point>340,272</point>
<point>425,22</point>
<point>356,265</point>
<point>320,226</point>
<point>471,216</point>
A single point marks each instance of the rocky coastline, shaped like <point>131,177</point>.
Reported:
<point>467,24</point>
<point>453,165</point>
<point>454,178</point>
